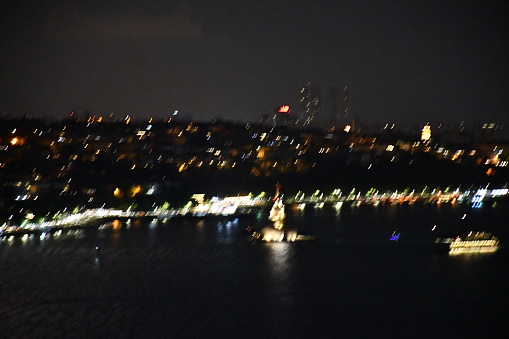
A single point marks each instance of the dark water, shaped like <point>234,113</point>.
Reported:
<point>203,278</point>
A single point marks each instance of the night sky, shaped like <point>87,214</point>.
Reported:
<point>403,61</point>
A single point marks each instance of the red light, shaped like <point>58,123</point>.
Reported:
<point>285,109</point>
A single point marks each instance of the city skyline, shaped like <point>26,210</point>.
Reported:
<point>401,63</point>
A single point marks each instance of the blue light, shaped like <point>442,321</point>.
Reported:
<point>395,237</point>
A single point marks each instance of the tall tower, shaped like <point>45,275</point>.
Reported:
<point>310,105</point>
<point>333,97</point>
<point>345,103</point>
<point>346,115</point>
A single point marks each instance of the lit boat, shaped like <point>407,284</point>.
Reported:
<point>473,242</point>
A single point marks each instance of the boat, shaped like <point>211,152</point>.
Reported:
<point>471,242</point>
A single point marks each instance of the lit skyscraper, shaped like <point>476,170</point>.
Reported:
<point>310,105</point>
<point>345,103</point>
<point>333,97</point>
<point>340,108</point>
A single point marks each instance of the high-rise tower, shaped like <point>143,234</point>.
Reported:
<point>345,103</point>
<point>310,105</point>
<point>333,97</point>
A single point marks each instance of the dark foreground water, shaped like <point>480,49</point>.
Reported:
<point>203,278</point>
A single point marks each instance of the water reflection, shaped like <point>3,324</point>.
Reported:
<point>280,268</point>
<point>224,230</point>
<point>97,262</point>
<point>297,210</point>
<point>337,209</point>
<point>116,225</point>
<point>153,223</point>
<point>279,254</point>
<point>200,228</point>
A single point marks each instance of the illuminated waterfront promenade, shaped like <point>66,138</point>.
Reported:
<point>237,205</point>
<point>67,221</point>
<point>476,197</point>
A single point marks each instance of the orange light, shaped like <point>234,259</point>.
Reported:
<point>117,193</point>
<point>285,109</point>
<point>135,190</point>
<point>116,224</point>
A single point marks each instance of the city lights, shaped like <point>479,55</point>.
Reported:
<point>92,163</point>
<point>426,133</point>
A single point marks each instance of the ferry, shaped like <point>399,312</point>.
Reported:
<point>472,242</point>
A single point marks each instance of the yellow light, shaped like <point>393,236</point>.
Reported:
<point>117,192</point>
<point>116,224</point>
<point>426,133</point>
<point>135,190</point>
<point>14,141</point>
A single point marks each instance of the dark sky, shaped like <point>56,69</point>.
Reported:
<point>404,61</point>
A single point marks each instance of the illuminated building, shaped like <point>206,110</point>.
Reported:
<point>310,105</point>
<point>426,133</point>
<point>333,97</point>
<point>340,107</point>
<point>345,102</point>
<point>284,113</point>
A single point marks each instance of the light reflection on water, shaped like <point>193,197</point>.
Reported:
<point>417,223</point>
<point>97,262</point>
<point>279,261</point>
<point>199,278</point>
<point>224,230</point>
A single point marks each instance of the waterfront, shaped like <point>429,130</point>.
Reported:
<point>204,278</point>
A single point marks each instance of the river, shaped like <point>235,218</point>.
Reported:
<point>189,278</point>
